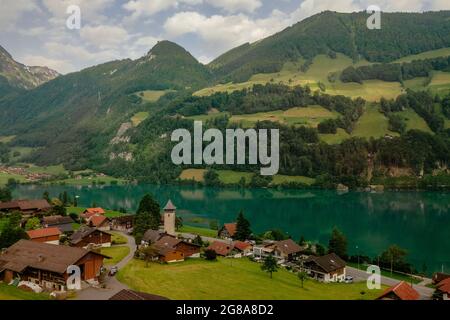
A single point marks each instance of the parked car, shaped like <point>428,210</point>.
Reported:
<point>348,279</point>
<point>113,271</point>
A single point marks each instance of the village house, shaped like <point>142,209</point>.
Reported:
<point>401,291</point>
<point>89,212</point>
<point>100,222</point>
<point>90,237</point>
<point>221,248</point>
<point>188,249</point>
<point>328,268</point>
<point>439,277</point>
<point>46,235</point>
<point>286,250</point>
<point>64,224</point>
<point>151,237</point>
<point>227,231</point>
<point>122,223</point>
<point>26,207</point>
<point>443,290</point>
<point>46,264</point>
<point>244,248</point>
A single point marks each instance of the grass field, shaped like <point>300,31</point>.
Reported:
<point>414,121</point>
<point>309,116</point>
<point>152,95</point>
<point>445,52</point>
<point>237,279</point>
<point>139,117</point>
<point>6,139</point>
<point>118,238</point>
<point>87,181</point>
<point>372,124</point>
<point>340,136</point>
<point>53,170</point>
<point>117,254</point>
<point>205,232</point>
<point>79,210</point>
<point>234,177</point>
<point>4,177</point>
<point>280,179</point>
<point>193,174</point>
<point>322,66</point>
<point>13,293</point>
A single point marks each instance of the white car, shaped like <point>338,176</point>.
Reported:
<point>348,279</point>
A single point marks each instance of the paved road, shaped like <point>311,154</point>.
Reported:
<point>360,275</point>
<point>112,284</point>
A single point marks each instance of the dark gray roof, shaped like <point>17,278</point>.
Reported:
<point>82,233</point>
<point>152,236</point>
<point>329,263</point>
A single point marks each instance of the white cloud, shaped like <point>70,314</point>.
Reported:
<point>234,6</point>
<point>91,10</point>
<point>147,8</point>
<point>224,32</point>
<point>104,37</point>
<point>12,10</point>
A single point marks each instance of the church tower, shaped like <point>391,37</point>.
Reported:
<point>170,218</point>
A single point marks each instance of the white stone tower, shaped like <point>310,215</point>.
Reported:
<point>170,218</point>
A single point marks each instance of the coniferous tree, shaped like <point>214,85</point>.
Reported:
<point>243,231</point>
<point>338,244</point>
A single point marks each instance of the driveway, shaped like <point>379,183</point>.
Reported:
<point>113,285</point>
<point>360,275</point>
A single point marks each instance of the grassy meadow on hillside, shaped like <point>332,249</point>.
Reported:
<point>232,279</point>
<point>323,66</point>
<point>152,95</point>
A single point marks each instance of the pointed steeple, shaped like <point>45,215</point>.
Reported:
<point>169,206</point>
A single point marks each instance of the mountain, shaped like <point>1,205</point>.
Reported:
<point>83,110</point>
<point>22,76</point>
<point>401,34</point>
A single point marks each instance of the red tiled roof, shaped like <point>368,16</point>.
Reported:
<point>41,233</point>
<point>97,220</point>
<point>288,246</point>
<point>221,248</point>
<point>403,291</point>
<point>94,211</point>
<point>240,245</point>
<point>444,286</point>
<point>231,228</point>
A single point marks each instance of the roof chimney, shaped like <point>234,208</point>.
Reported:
<point>40,257</point>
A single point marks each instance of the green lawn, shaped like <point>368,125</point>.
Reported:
<point>117,253</point>
<point>238,279</point>
<point>204,232</point>
<point>13,293</point>
<point>152,95</point>
<point>372,124</point>
<point>280,179</point>
<point>139,117</point>
<point>233,177</point>
<point>79,210</point>
<point>4,177</point>
<point>118,238</point>
<point>414,121</point>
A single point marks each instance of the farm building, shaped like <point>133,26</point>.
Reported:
<point>401,291</point>
<point>90,237</point>
<point>89,212</point>
<point>228,231</point>
<point>328,268</point>
<point>221,248</point>
<point>243,247</point>
<point>26,207</point>
<point>46,235</point>
<point>64,224</point>
<point>46,264</point>
<point>100,222</point>
<point>122,223</point>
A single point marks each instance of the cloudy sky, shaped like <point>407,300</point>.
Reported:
<point>35,32</point>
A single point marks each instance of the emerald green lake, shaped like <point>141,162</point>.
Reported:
<point>416,221</point>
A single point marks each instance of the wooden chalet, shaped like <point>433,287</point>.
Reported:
<point>87,237</point>
<point>227,231</point>
<point>26,207</point>
<point>46,235</point>
<point>100,222</point>
<point>401,291</point>
<point>64,224</point>
<point>221,248</point>
<point>328,268</point>
<point>122,223</point>
<point>46,264</point>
